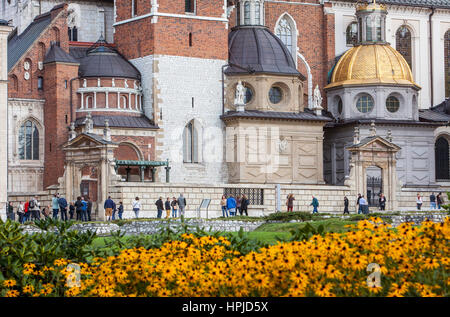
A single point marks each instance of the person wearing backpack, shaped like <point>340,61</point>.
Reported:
<point>34,205</point>
<point>182,204</point>
<point>315,204</point>
<point>26,216</point>
<point>84,210</point>
<point>159,207</point>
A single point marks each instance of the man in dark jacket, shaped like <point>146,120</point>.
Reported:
<point>89,208</point>
<point>109,205</point>
<point>10,211</point>
<point>244,205</point>
<point>79,208</point>
<point>62,202</point>
<point>160,206</point>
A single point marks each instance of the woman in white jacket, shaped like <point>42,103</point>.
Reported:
<point>136,206</point>
<point>419,202</point>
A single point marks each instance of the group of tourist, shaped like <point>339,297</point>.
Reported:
<point>436,201</point>
<point>171,206</point>
<point>290,203</point>
<point>231,206</point>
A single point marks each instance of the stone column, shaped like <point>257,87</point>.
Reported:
<point>4,32</point>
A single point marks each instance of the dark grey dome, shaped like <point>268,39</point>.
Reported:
<point>3,22</point>
<point>258,50</point>
<point>103,61</point>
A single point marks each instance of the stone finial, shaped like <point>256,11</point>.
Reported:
<point>107,131</point>
<point>356,136</point>
<point>72,133</point>
<point>389,135</point>
<point>373,129</point>
<point>84,83</point>
<point>126,83</point>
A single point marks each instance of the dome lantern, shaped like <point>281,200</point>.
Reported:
<point>250,12</point>
<point>371,19</point>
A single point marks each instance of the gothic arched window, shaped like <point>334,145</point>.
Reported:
<point>190,143</point>
<point>447,63</point>
<point>247,13</point>
<point>257,13</point>
<point>403,43</point>
<point>352,33</point>
<point>29,141</point>
<point>286,33</point>
<point>442,159</point>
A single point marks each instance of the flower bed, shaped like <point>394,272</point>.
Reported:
<point>413,261</point>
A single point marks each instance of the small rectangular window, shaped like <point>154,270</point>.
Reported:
<point>189,6</point>
<point>65,84</point>
<point>40,83</point>
<point>190,39</point>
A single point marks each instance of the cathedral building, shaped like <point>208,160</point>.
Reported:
<point>205,92</point>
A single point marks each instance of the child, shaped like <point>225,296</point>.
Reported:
<point>167,207</point>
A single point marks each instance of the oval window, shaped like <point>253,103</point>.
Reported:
<point>339,106</point>
<point>364,104</point>
<point>275,94</point>
<point>248,95</point>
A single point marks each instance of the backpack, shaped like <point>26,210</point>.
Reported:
<point>31,204</point>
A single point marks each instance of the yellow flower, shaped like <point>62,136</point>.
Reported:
<point>9,283</point>
<point>12,293</point>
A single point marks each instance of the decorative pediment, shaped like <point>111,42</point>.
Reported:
<point>374,143</point>
<point>87,140</point>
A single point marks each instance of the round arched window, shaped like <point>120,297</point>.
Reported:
<point>392,104</point>
<point>364,104</point>
<point>275,94</point>
<point>339,105</point>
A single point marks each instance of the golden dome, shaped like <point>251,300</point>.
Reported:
<point>375,64</point>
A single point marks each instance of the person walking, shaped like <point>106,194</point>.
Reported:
<point>432,201</point>
<point>89,208</point>
<point>382,202</point>
<point>136,204</point>
<point>231,205</point>
<point>35,208</point>
<point>174,205</point>
<point>21,212</point>
<point>439,200</point>
<point>62,203</point>
<point>315,204</point>
<point>290,202</point>
<point>244,205</point>
<point>160,206</point>
<point>419,201</point>
<point>55,206</point>
<point>108,206</point>
<point>120,210</point>
<point>223,204</point>
<point>168,207</point>
<point>358,204</point>
<point>346,205</point>
<point>26,210</point>
<point>182,204</point>
<point>71,210</point>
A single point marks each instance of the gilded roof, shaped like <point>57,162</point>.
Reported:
<point>375,64</point>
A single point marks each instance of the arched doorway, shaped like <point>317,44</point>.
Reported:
<point>441,152</point>
<point>374,185</point>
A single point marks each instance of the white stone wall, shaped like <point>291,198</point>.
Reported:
<point>25,176</point>
<point>417,20</point>
<point>170,83</point>
<point>92,19</point>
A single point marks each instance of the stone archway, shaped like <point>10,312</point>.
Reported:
<point>374,151</point>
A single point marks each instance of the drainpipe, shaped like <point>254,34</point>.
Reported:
<point>71,106</point>
<point>431,55</point>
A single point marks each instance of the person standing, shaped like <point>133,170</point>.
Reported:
<point>231,205</point>
<point>244,205</point>
<point>419,201</point>
<point>358,204</point>
<point>315,204</point>
<point>174,205</point>
<point>83,210</point>
<point>182,204</point>
<point>346,205</point>
<point>137,206</point>
<point>108,206</point>
<point>21,212</point>
<point>382,202</point>
<point>439,200</point>
<point>78,207</point>
<point>26,210</point>
<point>363,205</point>
<point>71,210</point>
<point>432,201</point>
<point>114,211</point>
<point>223,204</point>
<point>55,206</point>
<point>290,202</point>
<point>10,212</point>
<point>120,210</point>
<point>62,203</point>
<point>35,208</point>
<point>159,206</point>
<point>167,207</point>
<point>238,205</point>
<point>89,208</point>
